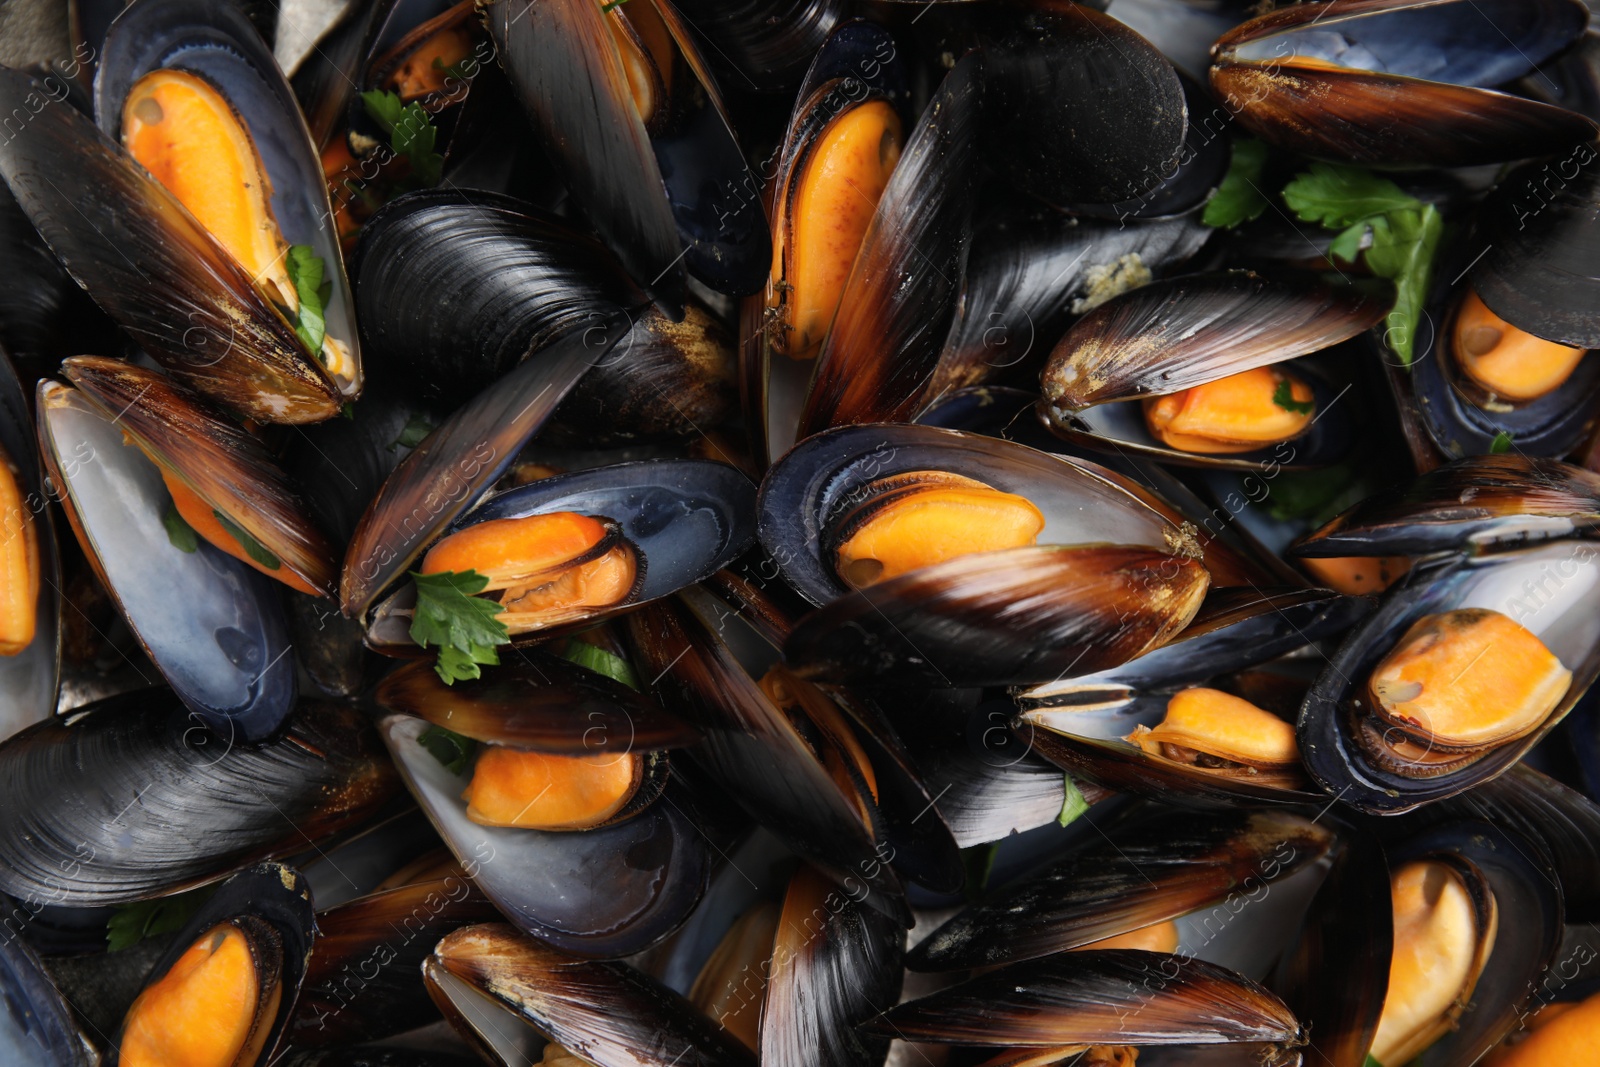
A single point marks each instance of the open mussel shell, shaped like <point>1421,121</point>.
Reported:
<point>153,269</point>
<point>889,330</point>
<point>213,626</point>
<point>447,473</point>
<point>1531,916</point>
<point>1476,504</point>
<point>1401,82</point>
<point>609,891</point>
<point>606,1012</point>
<point>1540,268</point>
<point>129,798</point>
<point>36,1025</point>
<point>1161,867</point>
<point>1097,997</point>
<point>30,679</point>
<point>457,288</point>
<point>361,981</point>
<point>857,67</point>
<point>217,42</point>
<point>1182,332</point>
<point>1544,589</point>
<point>1015,617</point>
<point>537,701</point>
<point>683,519</point>
<point>1081,723</point>
<point>691,646</point>
<point>668,187</point>
<point>1060,81</point>
<point>228,467</point>
<point>270,905</point>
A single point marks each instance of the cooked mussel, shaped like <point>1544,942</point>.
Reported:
<point>196,98</point>
<point>1460,671</point>
<point>609,890</point>
<point>30,581</point>
<point>967,549</point>
<point>606,1013</point>
<point>1401,82</point>
<point>163,278</point>
<point>221,479</point>
<point>579,546</point>
<point>210,623</point>
<point>1206,354</point>
<point>222,994</point>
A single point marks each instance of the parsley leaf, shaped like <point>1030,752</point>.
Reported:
<point>1239,198</point>
<point>1501,443</point>
<point>1403,246</point>
<point>416,430</point>
<point>306,271</point>
<point>1372,1061</point>
<point>1072,804</point>
<point>1405,236</point>
<point>1283,396</point>
<point>179,532</point>
<point>465,628</point>
<point>1338,197</point>
<point>252,548</point>
<point>448,747</point>
<point>410,132</point>
<point>601,661</point>
<point>978,862</point>
<point>1299,494</point>
<point>348,410</point>
<point>132,923</point>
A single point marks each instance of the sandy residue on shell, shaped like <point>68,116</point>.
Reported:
<point>1107,280</point>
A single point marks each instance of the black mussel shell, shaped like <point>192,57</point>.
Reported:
<point>1094,997</point>
<point>1187,331</point>
<point>984,798</point>
<point>606,892</point>
<point>212,625</point>
<point>1477,504</point>
<point>141,255</point>
<point>1539,587</point>
<point>1401,82</point>
<point>361,981</point>
<point>130,798</point>
<point>1060,81</point>
<point>457,288</point>
<point>1032,268</point>
<point>763,46</point>
<point>35,309</point>
<point>1540,269</point>
<point>36,1026</point>
<point>274,895</point>
<point>835,964</point>
<point>881,351</point>
<point>376,1056</point>
<point>1143,873</point>
<point>607,1012</point>
<point>447,473</point>
<point>537,701</point>
<point>752,749</point>
<point>1335,975</point>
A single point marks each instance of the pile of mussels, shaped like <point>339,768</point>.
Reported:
<point>828,532</point>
